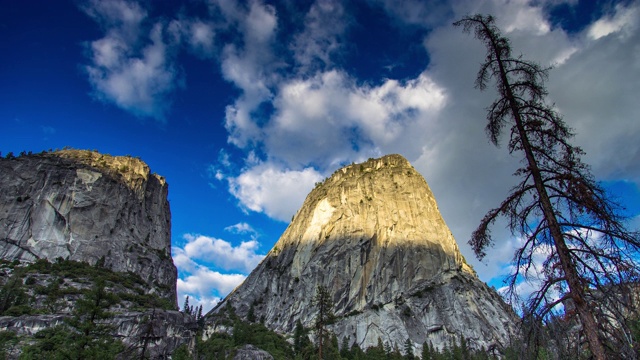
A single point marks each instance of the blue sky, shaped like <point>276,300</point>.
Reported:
<point>243,106</point>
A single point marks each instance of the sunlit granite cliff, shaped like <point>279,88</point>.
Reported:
<point>372,234</point>
<point>79,227</point>
<point>85,206</point>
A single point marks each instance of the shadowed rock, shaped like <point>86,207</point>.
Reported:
<point>372,234</point>
<point>84,206</point>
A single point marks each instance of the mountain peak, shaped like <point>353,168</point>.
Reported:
<point>383,198</point>
<point>373,236</point>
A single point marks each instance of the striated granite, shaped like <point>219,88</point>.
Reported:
<point>85,206</point>
<point>373,235</point>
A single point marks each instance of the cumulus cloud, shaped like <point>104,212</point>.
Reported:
<point>323,117</point>
<point>329,119</point>
<point>249,64</point>
<point>210,268</point>
<point>275,191</point>
<point>222,253</point>
<point>202,286</point>
<point>300,116</point>
<point>132,65</point>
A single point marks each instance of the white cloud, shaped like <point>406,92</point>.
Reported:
<point>328,119</point>
<point>320,40</point>
<point>625,21</point>
<point>200,37</point>
<point>222,253</point>
<point>124,15</point>
<point>206,287</point>
<point>250,65</point>
<point>204,280</point>
<point>135,78</point>
<point>198,258</point>
<point>323,117</point>
<point>590,86</point>
<point>241,228</point>
<point>276,192</point>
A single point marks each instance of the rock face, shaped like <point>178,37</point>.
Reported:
<point>163,330</point>
<point>373,236</point>
<point>250,352</point>
<point>85,206</point>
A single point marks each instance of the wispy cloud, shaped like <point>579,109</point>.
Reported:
<point>132,66</point>
<point>322,37</point>
<point>241,228</point>
<point>624,22</point>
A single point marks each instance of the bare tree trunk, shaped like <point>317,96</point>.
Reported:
<point>576,289</point>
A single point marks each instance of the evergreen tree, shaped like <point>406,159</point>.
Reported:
<point>300,338</point>
<point>325,316</point>
<point>408,349</point>
<point>185,308</point>
<point>387,350</point>
<point>83,336</point>
<point>357,353</point>
<point>345,352</point>
<point>558,208</point>
<point>332,349</point>
<point>251,315</point>
<point>377,352</point>
<point>426,351</point>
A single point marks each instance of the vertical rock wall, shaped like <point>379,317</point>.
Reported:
<point>85,206</point>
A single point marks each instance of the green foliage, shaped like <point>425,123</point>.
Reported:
<point>408,349</point>
<point>13,298</point>
<point>217,347</point>
<point>251,315</point>
<point>377,352</point>
<point>181,353</point>
<point>7,340</point>
<point>129,286</point>
<point>323,302</point>
<point>223,346</point>
<point>302,346</point>
<point>82,336</point>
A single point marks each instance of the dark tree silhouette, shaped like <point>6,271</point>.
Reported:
<point>322,300</point>
<point>557,209</point>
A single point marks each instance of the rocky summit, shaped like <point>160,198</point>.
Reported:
<point>373,236</point>
<point>85,259</point>
<point>85,206</point>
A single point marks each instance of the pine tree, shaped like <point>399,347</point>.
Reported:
<point>325,316</point>
<point>408,349</point>
<point>300,338</point>
<point>344,348</point>
<point>558,208</point>
<point>251,315</point>
<point>426,351</point>
<point>186,308</point>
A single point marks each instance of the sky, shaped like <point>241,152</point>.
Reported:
<point>244,105</point>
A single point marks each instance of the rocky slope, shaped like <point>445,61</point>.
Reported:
<point>373,236</point>
<point>74,224</point>
<point>85,206</point>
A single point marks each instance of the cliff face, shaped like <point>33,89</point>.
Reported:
<point>85,206</point>
<point>373,236</point>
